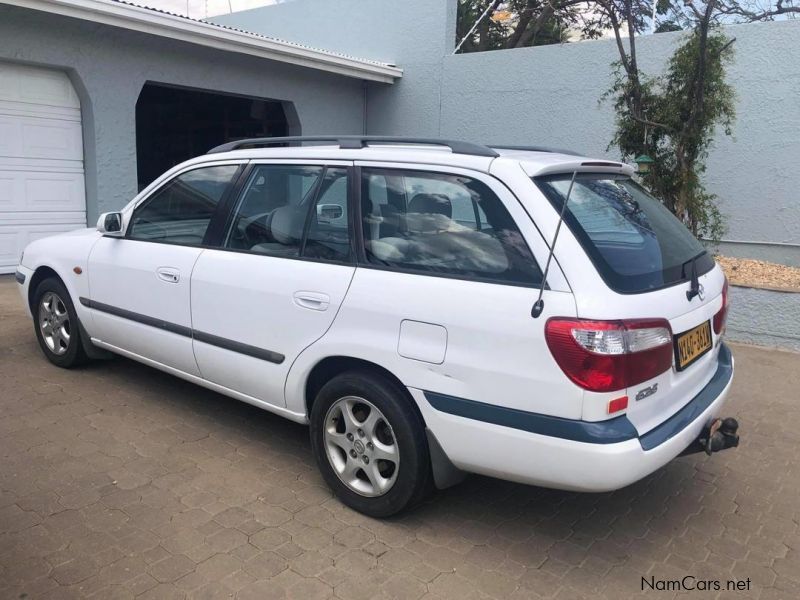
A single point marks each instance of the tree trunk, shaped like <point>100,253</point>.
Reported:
<point>530,33</point>
<point>687,142</point>
<point>526,14</point>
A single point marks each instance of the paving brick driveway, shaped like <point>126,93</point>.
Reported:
<point>118,481</point>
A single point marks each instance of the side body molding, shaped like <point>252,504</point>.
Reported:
<point>207,338</point>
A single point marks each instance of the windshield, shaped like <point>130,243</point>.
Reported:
<point>635,243</point>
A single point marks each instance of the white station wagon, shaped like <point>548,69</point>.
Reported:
<point>401,297</point>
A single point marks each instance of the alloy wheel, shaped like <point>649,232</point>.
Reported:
<point>54,323</point>
<point>361,446</point>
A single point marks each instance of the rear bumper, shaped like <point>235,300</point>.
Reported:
<point>566,454</point>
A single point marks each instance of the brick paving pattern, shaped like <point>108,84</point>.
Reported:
<point>118,481</point>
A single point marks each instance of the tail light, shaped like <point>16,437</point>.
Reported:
<point>722,315</point>
<point>605,356</point>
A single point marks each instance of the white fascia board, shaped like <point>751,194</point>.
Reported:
<point>161,24</point>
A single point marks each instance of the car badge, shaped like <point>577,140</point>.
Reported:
<point>646,392</point>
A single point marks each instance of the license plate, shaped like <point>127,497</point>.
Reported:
<point>691,345</point>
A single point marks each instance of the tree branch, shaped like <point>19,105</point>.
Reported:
<point>615,25</point>
<point>632,37</point>
<point>531,32</point>
<point>696,12</point>
<point>525,16</point>
<point>650,123</point>
<point>725,47</point>
<point>734,8</point>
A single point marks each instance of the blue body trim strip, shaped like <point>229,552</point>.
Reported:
<point>611,431</point>
<point>618,429</point>
<point>681,419</point>
<point>20,277</point>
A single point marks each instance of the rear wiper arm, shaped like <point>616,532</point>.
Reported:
<point>694,289</point>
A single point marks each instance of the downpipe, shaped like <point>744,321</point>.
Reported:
<point>720,435</point>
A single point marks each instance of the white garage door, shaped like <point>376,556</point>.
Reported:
<point>41,158</point>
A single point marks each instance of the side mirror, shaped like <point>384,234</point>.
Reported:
<point>110,223</point>
<point>329,211</point>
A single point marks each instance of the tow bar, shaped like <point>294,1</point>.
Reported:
<point>721,434</point>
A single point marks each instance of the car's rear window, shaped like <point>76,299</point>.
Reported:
<point>635,243</point>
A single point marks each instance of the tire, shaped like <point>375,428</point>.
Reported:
<point>56,325</point>
<point>394,437</point>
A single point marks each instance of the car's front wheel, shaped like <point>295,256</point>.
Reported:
<point>56,324</point>
<point>370,444</point>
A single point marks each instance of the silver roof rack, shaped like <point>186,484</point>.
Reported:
<point>358,141</point>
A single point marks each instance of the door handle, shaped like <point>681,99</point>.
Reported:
<point>168,274</point>
<point>312,300</point>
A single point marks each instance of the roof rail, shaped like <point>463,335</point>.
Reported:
<point>358,141</point>
<point>535,149</point>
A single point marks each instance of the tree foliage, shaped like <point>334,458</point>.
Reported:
<point>530,23</point>
<point>541,22</point>
<point>676,128</point>
<point>672,117</point>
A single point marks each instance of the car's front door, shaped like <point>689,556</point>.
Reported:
<point>278,278</point>
<point>139,284</point>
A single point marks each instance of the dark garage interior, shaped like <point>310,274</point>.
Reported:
<point>175,124</point>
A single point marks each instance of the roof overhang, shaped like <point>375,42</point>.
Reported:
<point>155,22</point>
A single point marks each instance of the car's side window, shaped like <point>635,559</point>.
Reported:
<point>328,232</point>
<point>180,212</point>
<point>271,215</point>
<point>441,223</point>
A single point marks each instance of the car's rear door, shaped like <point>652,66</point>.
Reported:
<point>444,291</point>
<point>139,284</point>
<point>277,278</point>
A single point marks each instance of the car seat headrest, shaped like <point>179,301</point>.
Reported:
<point>437,204</point>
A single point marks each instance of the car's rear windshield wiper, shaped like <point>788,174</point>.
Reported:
<point>694,289</point>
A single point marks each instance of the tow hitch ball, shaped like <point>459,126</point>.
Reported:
<point>720,435</point>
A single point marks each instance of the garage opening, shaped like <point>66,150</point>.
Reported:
<point>175,124</point>
<point>42,188</point>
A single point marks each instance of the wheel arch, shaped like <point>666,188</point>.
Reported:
<point>444,473</point>
<point>331,366</point>
<point>43,272</point>
<point>39,275</point>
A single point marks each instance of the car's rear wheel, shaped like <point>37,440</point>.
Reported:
<point>56,324</point>
<point>370,444</point>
